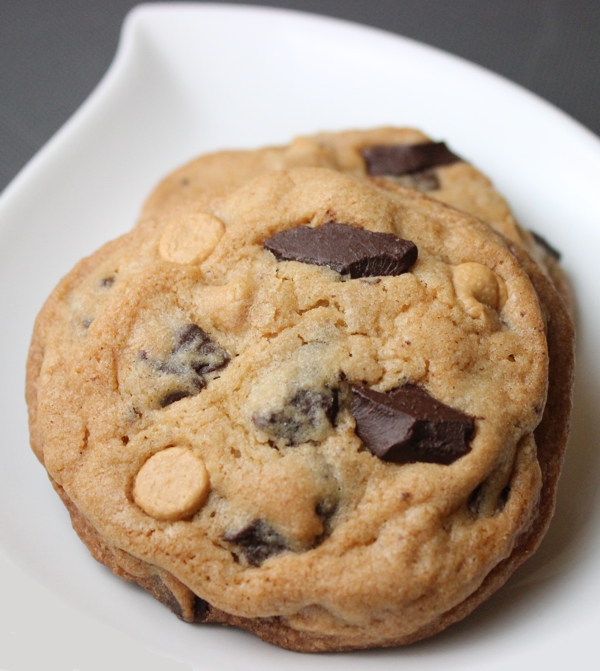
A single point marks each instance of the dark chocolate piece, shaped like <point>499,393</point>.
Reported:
<point>304,417</point>
<point>201,609</point>
<point>546,245</point>
<point>407,425</point>
<point>193,358</point>
<point>195,349</point>
<point>326,510</point>
<point>504,495</point>
<point>400,159</point>
<point>481,502</point>
<point>257,542</point>
<point>194,355</point>
<point>160,591</point>
<point>346,249</point>
<point>173,397</point>
<point>424,181</point>
<point>475,498</point>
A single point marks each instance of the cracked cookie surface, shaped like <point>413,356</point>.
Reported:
<point>245,364</point>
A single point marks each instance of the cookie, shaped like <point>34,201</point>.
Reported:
<point>336,419</point>
<point>391,156</point>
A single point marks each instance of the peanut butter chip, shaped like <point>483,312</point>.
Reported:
<point>476,286</point>
<point>172,485</point>
<point>191,239</point>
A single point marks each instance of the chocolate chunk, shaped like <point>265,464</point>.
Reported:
<point>194,355</point>
<point>346,249</point>
<point>326,510</point>
<point>155,585</point>
<point>485,502</point>
<point>193,358</point>
<point>503,499</point>
<point>407,425</point>
<point>201,609</point>
<point>542,242</point>
<point>423,181</point>
<point>400,159</point>
<point>173,397</point>
<point>475,499</point>
<point>257,542</point>
<point>308,415</point>
<point>196,350</point>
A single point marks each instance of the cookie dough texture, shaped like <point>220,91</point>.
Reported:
<point>191,404</point>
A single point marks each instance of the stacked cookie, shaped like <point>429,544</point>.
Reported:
<point>312,394</point>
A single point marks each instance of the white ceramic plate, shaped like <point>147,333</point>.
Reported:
<point>193,78</point>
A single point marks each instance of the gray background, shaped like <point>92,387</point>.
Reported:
<point>53,53</point>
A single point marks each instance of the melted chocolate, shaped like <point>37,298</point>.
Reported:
<point>257,542</point>
<point>304,417</point>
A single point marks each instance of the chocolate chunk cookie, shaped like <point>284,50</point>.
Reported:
<point>334,450</point>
